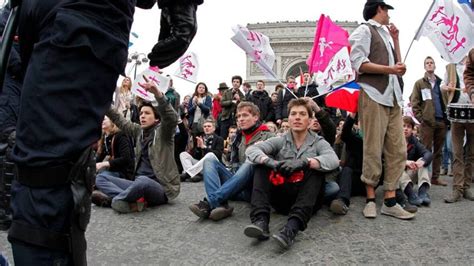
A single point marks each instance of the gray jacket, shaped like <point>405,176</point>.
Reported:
<point>283,148</point>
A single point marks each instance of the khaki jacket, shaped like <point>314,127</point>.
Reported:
<point>161,150</point>
<point>469,73</point>
<point>424,110</point>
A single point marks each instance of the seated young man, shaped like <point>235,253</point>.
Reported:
<point>228,144</point>
<point>289,176</point>
<point>221,184</point>
<point>156,174</point>
<point>209,143</point>
<point>418,160</point>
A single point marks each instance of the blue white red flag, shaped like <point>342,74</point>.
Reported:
<point>344,97</point>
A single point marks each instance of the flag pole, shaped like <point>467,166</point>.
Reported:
<point>418,31</point>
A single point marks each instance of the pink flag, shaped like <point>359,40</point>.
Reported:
<point>329,39</point>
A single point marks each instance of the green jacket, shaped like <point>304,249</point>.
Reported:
<point>228,106</point>
<point>424,110</point>
<point>161,150</point>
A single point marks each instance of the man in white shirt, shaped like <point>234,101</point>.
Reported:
<point>379,67</point>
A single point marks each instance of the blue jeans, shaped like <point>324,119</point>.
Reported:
<point>447,150</point>
<point>331,189</point>
<point>222,185</point>
<point>122,189</point>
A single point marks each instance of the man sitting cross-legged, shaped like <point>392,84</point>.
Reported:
<point>222,184</point>
<point>209,144</point>
<point>156,173</point>
<point>289,176</point>
<point>418,160</point>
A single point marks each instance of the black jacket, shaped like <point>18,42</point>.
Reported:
<point>166,3</point>
<point>264,103</point>
<point>328,128</point>
<point>217,147</point>
<point>354,145</point>
<point>120,148</point>
<point>311,92</point>
<point>416,150</point>
<point>284,97</point>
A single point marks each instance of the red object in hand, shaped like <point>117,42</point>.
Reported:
<point>277,179</point>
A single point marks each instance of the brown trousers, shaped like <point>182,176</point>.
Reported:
<point>463,163</point>
<point>382,130</point>
<point>433,137</point>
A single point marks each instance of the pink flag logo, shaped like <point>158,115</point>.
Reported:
<point>328,40</point>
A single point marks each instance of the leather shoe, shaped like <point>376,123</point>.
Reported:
<point>439,182</point>
<point>100,199</point>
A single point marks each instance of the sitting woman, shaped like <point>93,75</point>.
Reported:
<point>199,108</point>
<point>114,157</point>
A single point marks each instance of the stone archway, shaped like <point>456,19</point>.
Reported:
<point>292,42</point>
<point>294,69</point>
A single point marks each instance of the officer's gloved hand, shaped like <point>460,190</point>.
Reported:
<point>272,164</point>
<point>290,166</point>
<point>146,4</point>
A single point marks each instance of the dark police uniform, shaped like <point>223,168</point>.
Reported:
<point>72,53</point>
<point>178,26</point>
<point>9,109</point>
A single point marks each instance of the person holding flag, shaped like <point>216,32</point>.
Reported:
<point>379,67</point>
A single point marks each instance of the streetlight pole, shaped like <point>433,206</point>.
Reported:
<point>137,59</point>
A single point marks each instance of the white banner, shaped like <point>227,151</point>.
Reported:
<point>450,30</point>
<point>188,67</point>
<point>150,73</point>
<point>257,46</point>
<point>339,69</point>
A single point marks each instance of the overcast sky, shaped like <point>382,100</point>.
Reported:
<point>220,58</point>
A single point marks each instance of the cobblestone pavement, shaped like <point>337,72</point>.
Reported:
<point>171,234</point>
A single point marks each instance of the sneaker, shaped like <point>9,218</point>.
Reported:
<point>196,178</point>
<point>453,197</point>
<point>468,195</point>
<point>397,211</point>
<point>100,199</point>
<point>370,210</point>
<point>338,207</point>
<point>444,171</point>
<point>258,230</point>
<point>201,209</point>
<point>221,212</point>
<point>425,199</point>
<point>409,208</point>
<point>122,206</point>
<point>285,238</point>
<point>413,199</point>
<point>438,182</point>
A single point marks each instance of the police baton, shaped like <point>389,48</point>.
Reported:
<point>7,38</point>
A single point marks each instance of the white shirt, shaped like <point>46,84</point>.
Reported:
<point>360,41</point>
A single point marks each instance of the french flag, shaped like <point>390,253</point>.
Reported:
<point>344,97</point>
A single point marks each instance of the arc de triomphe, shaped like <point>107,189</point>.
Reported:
<point>292,43</point>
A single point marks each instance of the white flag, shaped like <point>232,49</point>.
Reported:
<point>339,68</point>
<point>468,8</point>
<point>450,30</point>
<point>150,73</point>
<point>188,67</point>
<point>257,46</point>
